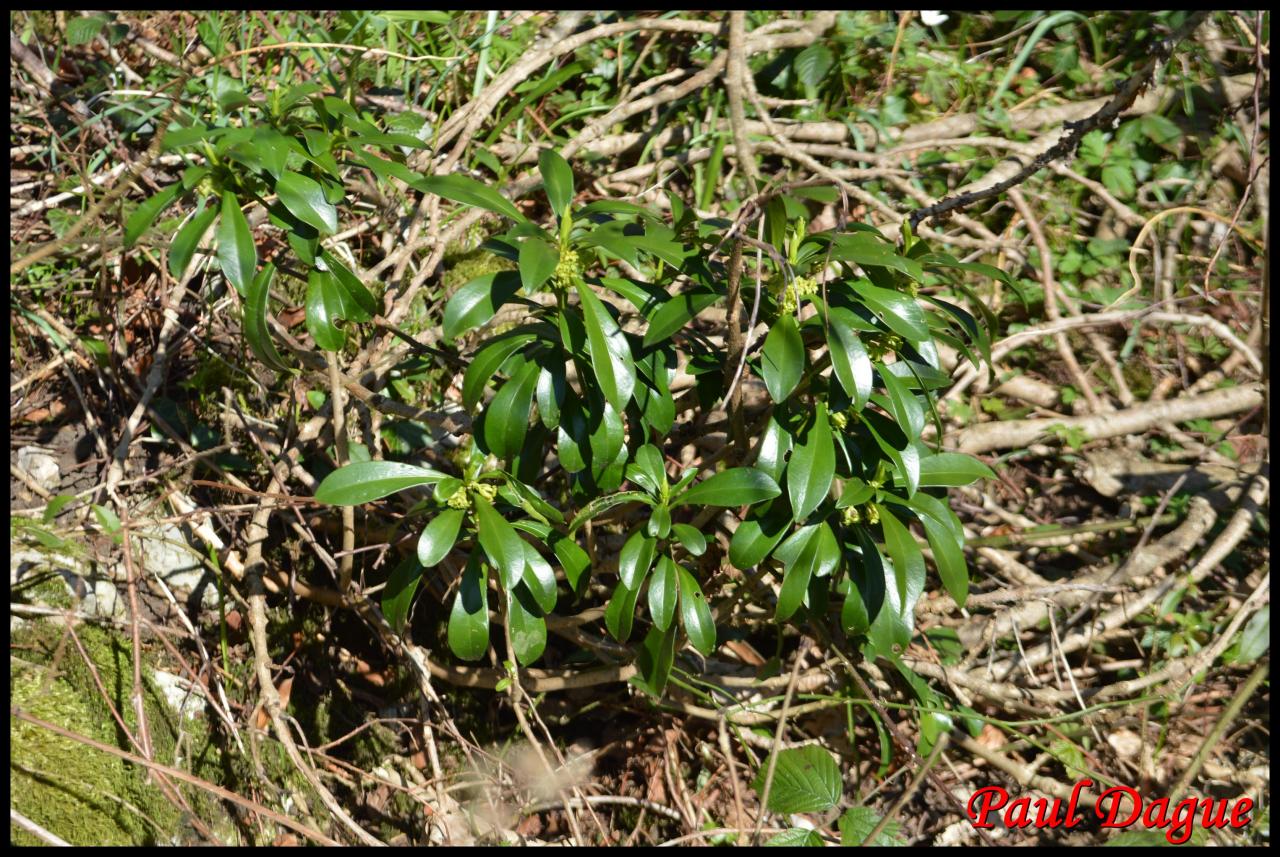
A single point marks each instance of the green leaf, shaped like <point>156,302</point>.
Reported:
<point>774,446</point>
<point>439,536</point>
<point>109,521</point>
<point>654,660</point>
<point>849,359</point>
<point>635,559</point>
<point>1255,639</point>
<point>855,493</point>
<point>813,63</point>
<point>540,579</point>
<point>551,393</point>
<point>574,560</point>
<point>795,579</point>
<point>557,180</point>
<point>865,249</point>
<point>397,597</point>
<point>812,467</point>
<point>528,629</point>
<point>663,590</point>
<point>908,561</point>
<point>82,30</point>
<point>506,420</point>
<point>948,556</point>
<point>692,540</point>
<point>649,471</point>
<point>502,544</point>
<point>695,615</point>
<point>621,612</point>
<point>362,305</point>
<point>477,301</point>
<point>755,537</point>
<point>146,213</point>
<point>857,823</point>
<point>675,313</point>
<point>797,837</point>
<point>952,469</point>
<point>738,486</point>
<point>469,619</point>
<point>900,311</point>
<point>659,524</point>
<point>610,354</point>
<point>600,505</point>
<point>486,363</point>
<point>538,261</point>
<point>324,305</point>
<point>805,779</point>
<point>188,238</point>
<point>902,404</point>
<point>468,191</point>
<point>783,359</point>
<point>236,251</point>
<point>365,481</point>
<point>256,332</point>
<point>305,199</point>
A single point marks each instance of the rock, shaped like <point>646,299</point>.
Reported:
<point>41,466</point>
<point>167,553</point>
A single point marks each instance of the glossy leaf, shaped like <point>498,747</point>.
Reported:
<point>756,537</point>
<point>468,191</point>
<point>903,404</point>
<point>775,445</point>
<point>397,596</point>
<point>695,615</point>
<point>855,493</point>
<point>557,180</point>
<point>144,215</point>
<point>537,263</point>
<point>783,359</point>
<point>361,304</point>
<point>659,524</point>
<point>812,467</point>
<point>738,486</point>
<point>651,472</point>
<point>635,559</point>
<point>188,238</point>
<point>663,591</point>
<point>365,481</point>
<point>600,505</point>
<point>468,630</point>
<point>899,310</point>
<point>620,613</point>
<point>506,420</point>
<point>676,312</point>
<point>325,305</point>
<point>849,359</point>
<point>692,540</point>
<point>502,544</point>
<point>574,560</point>
<point>439,536</point>
<point>611,360</point>
<point>952,469</point>
<point>305,199</point>
<point>654,660</point>
<point>908,561</point>
<point>477,301</point>
<point>256,331</point>
<point>485,364</point>
<point>540,578</point>
<point>236,252</point>
<point>795,579</point>
<point>528,629</point>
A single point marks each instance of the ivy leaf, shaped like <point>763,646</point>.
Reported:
<point>146,213</point>
<point>256,332</point>
<point>468,191</point>
<point>439,536</point>
<point>610,354</point>
<point>663,590</point>
<point>477,301</point>
<point>805,779</point>
<point>236,252</point>
<point>365,481</point>
<point>812,467</point>
<point>557,180</point>
<point>782,363</point>
<point>501,543</point>
<point>695,614</point>
<point>468,630</point>
<point>305,199</point>
<point>737,486</point>
<point>635,559</point>
<point>188,238</point>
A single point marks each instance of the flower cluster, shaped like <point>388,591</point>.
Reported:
<point>568,270</point>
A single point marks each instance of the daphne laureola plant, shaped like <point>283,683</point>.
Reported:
<point>581,426</point>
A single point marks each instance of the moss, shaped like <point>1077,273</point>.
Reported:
<point>461,268</point>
